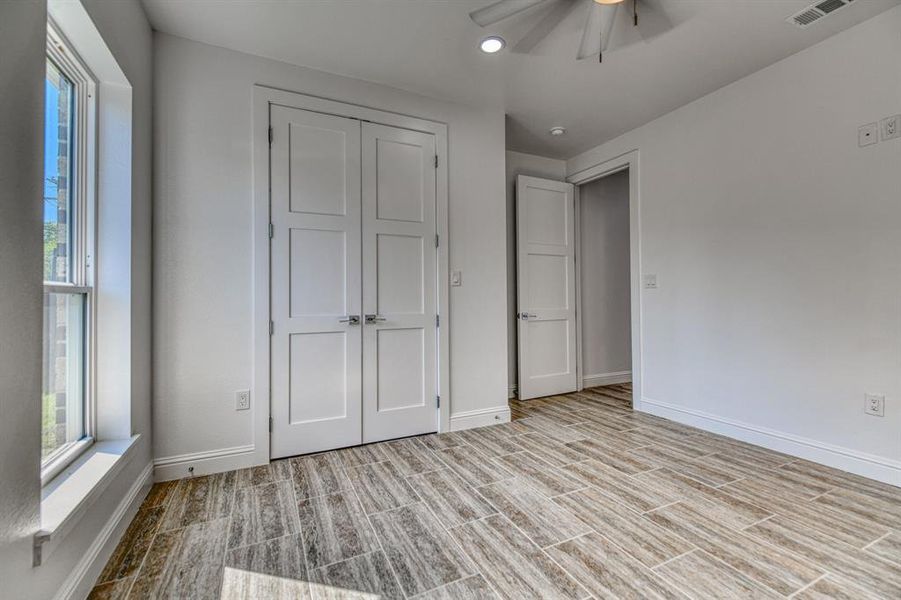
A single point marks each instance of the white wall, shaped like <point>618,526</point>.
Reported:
<point>777,246</point>
<point>202,237</point>
<point>605,278</point>
<point>22,42</point>
<point>519,163</point>
<point>125,30</point>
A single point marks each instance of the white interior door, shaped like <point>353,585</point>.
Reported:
<point>545,264</point>
<point>399,283</point>
<point>316,282</point>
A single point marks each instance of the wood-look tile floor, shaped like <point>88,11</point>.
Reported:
<point>577,497</point>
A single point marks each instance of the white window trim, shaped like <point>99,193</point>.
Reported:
<point>84,250</point>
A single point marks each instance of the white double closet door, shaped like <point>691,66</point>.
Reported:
<point>353,282</point>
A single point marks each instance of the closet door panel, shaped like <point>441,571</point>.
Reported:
<point>399,283</point>
<point>316,282</point>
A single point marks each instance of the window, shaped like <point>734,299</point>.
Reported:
<point>68,251</point>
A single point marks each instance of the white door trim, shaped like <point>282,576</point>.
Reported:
<point>263,97</point>
<point>630,161</point>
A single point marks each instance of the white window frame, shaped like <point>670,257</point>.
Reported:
<point>84,238</point>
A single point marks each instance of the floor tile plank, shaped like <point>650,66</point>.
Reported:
<point>364,577</point>
<point>421,553</point>
<point>709,579</point>
<point>645,541</point>
<point>450,497</point>
<point>543,521</point>
<point>334,528</point>
<point>515,567</point>
<point>608,572</point>
<point>380,487</point>
<point>263,512</point>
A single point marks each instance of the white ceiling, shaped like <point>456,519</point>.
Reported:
<point>431,47</point>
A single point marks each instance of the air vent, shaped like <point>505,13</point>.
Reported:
<point>813,13</point>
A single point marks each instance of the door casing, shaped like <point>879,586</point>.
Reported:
<point>263,98</point>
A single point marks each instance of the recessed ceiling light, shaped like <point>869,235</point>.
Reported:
<point>492,44</point>
<point>556,131</point>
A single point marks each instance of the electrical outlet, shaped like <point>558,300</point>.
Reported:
<point>867,134</point>
<point>875,405</point>
<point>649,282</point>
<point>242,399</point>
<point>891,127</point>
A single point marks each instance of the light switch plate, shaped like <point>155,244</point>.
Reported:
<point>456,278</point>
<point>867,134</point>
<point>649,282</point>
<point>890,127</point>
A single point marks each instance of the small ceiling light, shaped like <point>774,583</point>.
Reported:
<point>492,44</point>
<point>557,131</point>
<point>609,1</point>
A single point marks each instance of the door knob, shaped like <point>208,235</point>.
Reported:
<point>352,319</point>
<point>526,316</point>
<point>371,319</point>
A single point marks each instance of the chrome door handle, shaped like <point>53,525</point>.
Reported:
<point>371,319</point>
<point>352,319</point>
<point>526,316</point>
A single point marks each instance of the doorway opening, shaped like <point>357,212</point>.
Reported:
<point>578,304</point>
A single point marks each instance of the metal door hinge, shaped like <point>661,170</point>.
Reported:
<point>437,320</point>
<point>271,231</point>
<point>270,424</point>
<point>270,135</point>
<point>436,161</point>
<point>437,240</point>
<point>438,401</point>
<point>271,327</point>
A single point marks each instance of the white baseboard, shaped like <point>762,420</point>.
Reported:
<point>606,378</point>
<point>80,581</point>
<point>204,463</point>
<point>479,418</point>
<point>511,391</point>
<point>859,463</point>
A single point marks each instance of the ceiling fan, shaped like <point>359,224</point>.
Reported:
<point>599,22</point>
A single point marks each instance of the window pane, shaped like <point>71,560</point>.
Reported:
<point>63,390</point>
<point>57,175</point>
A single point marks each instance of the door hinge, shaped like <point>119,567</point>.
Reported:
<point>271,231</point>
<point>437,320</point>
<point>270,424</point>
<point>438,401</point>
<point>437,240</point>
<point>270,135</point>
<point>436,161</point>
<point>271,327</point>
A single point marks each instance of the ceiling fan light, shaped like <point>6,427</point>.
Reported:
<point>492,44</point>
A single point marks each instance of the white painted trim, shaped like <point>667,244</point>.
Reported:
<point>577,259</point>
<point>597,379</point>
<point>81,579</point>
<point>263,98</point>
<point>480,418</point>
<point>205,463</point>
<point>629,160</point>
<point>846,459</point>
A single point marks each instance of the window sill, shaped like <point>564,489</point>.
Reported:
<point>69,495</point>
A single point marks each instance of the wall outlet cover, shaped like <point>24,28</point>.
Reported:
<point>890,127</point>
<point>867,134</point>
<point>649,282</point>
<point>242,400</point>
<point>874,405</point>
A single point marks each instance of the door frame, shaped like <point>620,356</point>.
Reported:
<point>630,161</point>
<point>263,98</point>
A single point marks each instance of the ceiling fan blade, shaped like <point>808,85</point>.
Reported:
<point>501,10</point>
<point>598,27</point>
<point>544,26</point>
<point>652,19</point>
